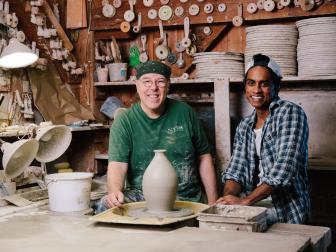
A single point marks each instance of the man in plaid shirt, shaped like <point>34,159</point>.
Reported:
<point>270,150</point>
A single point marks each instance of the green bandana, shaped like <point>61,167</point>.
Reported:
<point>153,67</point>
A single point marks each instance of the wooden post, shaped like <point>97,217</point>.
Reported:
<point>222,122</point>
<point>66,41</point>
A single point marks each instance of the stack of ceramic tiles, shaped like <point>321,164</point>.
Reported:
<point>316,50</point>
<point>276,41</point>
<point>218,65</point>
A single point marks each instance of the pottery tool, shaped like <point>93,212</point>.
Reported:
<point>180,62</point>
<point>137,28</point>
<point>115,50</point>
<point>129,15</point>
<point>238,20</point>
<point>186,42</point>
<point>162,50</point>
<point>143,55</point>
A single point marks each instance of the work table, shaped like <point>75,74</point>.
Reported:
<point>42,230</point>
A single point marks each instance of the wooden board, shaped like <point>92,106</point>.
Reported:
<point>76,14</point>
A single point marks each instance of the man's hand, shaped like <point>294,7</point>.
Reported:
<point>231,200</point>
<point>114,199</point>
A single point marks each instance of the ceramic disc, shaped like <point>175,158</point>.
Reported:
<point>221,7</point>
<point>208,8</point>
<point>20,36</point>
<point>237,21</point>
<point>148,3</point>
<point>269,5</point>
<point>279,6</point>
<point>285,2</point>
<point>252,8</point>
<point>165,12</point>
<point>117,3</point>
<point>307,5</point>
<point>152,14</point>
<point>194,9</point>
<point>210,19</point>
<point>161,52</point>
<point>179,11</point>
<point>207,30</point>
<point>129,16</point>
<point>260,4</point>
<point>125,26</point>
<point>108,10</point>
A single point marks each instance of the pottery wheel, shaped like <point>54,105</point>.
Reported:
<point>143,212</point>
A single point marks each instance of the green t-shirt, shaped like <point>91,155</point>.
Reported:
<point>134,136</point>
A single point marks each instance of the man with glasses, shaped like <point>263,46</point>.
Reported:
<point>157,122</point>
<point>270,152</point>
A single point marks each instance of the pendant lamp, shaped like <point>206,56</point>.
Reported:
<point>53,141</point>
<point>17,156</point>
<point>16,55</point>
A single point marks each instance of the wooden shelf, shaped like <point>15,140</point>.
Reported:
<point>286,79</point>
<point>101,156</point>
<point>88,128</point>
<point>22,132</point>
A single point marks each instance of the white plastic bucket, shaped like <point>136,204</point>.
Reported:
<point>117,71</point>
<point>69,192</point>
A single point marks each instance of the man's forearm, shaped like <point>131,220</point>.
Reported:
<point>208,177</point>
<point>116,176</point>
<point>261,192</point>
<point>232,188</point>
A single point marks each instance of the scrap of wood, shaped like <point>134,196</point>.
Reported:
<point>61,33</point>
<point>17,200</point>
<point>76,14</point>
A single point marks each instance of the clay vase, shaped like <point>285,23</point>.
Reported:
<point>159,184</point>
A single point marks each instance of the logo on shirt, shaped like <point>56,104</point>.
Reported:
<point>175,129</point>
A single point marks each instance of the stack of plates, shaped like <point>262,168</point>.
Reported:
<point>276,41</point>
<point>218,65</point>
<point>316,51</point>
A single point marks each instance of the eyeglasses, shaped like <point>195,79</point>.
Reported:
<point>158,83</point>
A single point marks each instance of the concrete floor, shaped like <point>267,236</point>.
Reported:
<point>42,230</point>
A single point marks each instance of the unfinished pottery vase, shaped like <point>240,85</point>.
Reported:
<point>159,184</point>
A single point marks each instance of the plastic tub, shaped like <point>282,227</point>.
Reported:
<point>69,192</point>
<point>117,71</point>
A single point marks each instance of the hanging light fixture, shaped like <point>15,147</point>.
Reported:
<point>16,55</point>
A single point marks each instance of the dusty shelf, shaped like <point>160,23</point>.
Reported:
<point>286,79</point>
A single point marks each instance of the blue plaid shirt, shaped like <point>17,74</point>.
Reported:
<point>284,156</point>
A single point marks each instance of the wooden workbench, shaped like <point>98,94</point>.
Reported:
<point>41,230</point>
